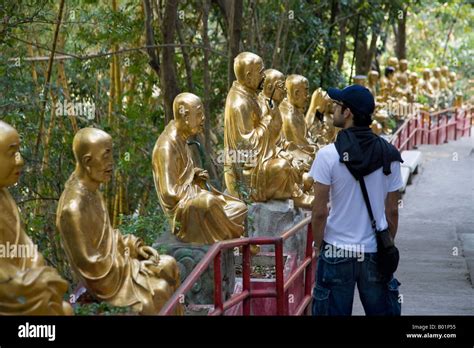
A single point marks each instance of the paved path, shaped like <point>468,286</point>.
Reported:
<point>436,234</point>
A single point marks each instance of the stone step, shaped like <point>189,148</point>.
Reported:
<point>405,177</point>
<point>412,159</point>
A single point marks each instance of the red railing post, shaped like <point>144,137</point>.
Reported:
<point>246,307</point>
<point>416,129</point>
<point>408,134</point>
<point>456,123</point>
<point>218,304</point>
<point>280,281</point>
<point>422,141</point>
<point>429,129</point>
<point>437,129</point>
<point>446,127</point>
<point>308,276</point>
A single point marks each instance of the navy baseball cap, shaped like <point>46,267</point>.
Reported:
<point>356,97</point>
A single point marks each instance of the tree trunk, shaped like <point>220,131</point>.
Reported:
<point>186,58</point>
<point>169,81</point>
<point>234,21</point>
<point>150,37</point>
<point>342,44</point>
<point>400,36</point>
<point>329,43</point>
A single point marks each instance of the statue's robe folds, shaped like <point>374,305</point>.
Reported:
<point>295,130</point>
<point>196,215</point>
<point>27,285</point>
<point>107,262</point>
<point>247,138</point>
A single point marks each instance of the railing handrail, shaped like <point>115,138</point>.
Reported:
<point>218,247</point>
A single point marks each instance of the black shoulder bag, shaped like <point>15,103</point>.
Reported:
<point>387,253</point>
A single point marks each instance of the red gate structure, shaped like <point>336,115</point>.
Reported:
<point>419,128</point>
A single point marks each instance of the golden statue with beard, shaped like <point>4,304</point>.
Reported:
<point>27,285</point>
<point>115,268</point>
<point>196,214</point>
<point>246,134</point>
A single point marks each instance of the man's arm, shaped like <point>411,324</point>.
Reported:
<point>391,211</point>
<point>320,213</point>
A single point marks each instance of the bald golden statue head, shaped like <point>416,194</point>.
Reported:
<point>452,76</point>
<point>445,71</point>
<point>92,149</point>
<point>393,62</point>
<point>437,72</point>
<point>188,112</point>
<point>297,88</point>
<point>274,85</point>
<point>373,76</point>
<point>248,69</point>
<point>11,162</point>
<point>403,65</point>
<point>413,78</point>
<point>426,74</point>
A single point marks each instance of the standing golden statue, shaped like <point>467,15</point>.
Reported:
<point>425,88</point>
<point>115,268</point>
<point>196,214</point>
<point>27,285</point>
<point>246,137</point>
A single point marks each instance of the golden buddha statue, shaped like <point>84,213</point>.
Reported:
<point>274,90</point>
<point>436,80</point>
<point>425,87</point>
<point>394,63</point>
<point>246,132</point>
<point>452,80</point>
<point>373,79</point>
<point>444,78</point>
<point>387,84</point>
<point>403,70</point>
<point>292,110</point>
<point>196,214</point>
<point>414,84</point>
<point>403,89</point>
<point>118,269</point>
<point>27,285</point>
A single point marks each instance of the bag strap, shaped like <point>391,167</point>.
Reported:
<point>367,203</point>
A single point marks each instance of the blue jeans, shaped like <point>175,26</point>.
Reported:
<point>336,278</point>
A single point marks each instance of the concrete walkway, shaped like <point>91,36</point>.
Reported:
<point>436,234</point>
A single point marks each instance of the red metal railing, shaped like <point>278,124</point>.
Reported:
<point>280,292</point>
<point>435,128</point>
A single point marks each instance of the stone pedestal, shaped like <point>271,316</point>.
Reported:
<point>188,255</point>
<point>272,218</point>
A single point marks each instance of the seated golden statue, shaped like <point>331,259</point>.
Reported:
<point>115,268</point>
<point>436,81</point>
<point>387,84</point>
<point>403,70</point>
<point>425,88</point>
<point>292,110</point>
<point>444,77</point>
<point>319,118</point>
<point>414,84</point>
<point>196,214</point>
<point>246,132</point>
<point>452,80</point>
<point>403,89</point>
<point>27,285</point>
<point>373,79</point>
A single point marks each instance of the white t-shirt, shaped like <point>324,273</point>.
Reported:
<point>348,224</point>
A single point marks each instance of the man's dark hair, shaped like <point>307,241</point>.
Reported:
<point>389,70</point>
<point>362,120</point>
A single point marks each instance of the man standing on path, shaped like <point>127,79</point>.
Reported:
<point>344,240</point>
